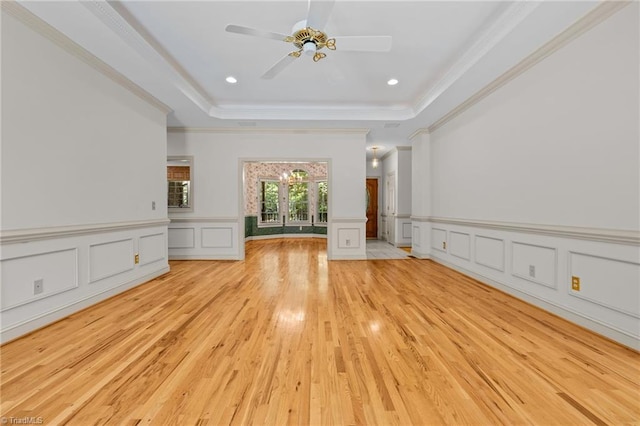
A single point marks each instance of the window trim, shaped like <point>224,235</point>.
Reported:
<point>288,201</point>
<point>184,159</point>
<point>316,222</point>
<point>262,224</point>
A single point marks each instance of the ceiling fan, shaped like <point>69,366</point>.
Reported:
<point>308,38</point>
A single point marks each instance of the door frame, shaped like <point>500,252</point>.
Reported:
<point>379,179</point>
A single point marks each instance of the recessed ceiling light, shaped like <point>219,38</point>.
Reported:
<point>231,79</point>
<point>392,82</point>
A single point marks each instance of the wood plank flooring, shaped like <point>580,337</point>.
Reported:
<point>286,337</point>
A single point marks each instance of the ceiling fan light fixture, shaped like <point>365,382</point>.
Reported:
<point>309,48</point>
<point>310,40</point>
<point>392,81</point>
<point>374,162</point>
<point>318,56</point>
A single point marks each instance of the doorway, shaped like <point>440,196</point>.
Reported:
<point>284,199</point>
<point>372,208</point>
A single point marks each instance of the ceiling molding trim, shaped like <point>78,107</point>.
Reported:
<point>393,150</point>
<point>270,131</point>
<point>148,38</point>
<point>599,14</point>
<point>511,18</point>
<point>389,153</point>
<point>339,112</point>
<point>418,132</point>
<point>41,27</point>
<point>125,26</point>
<point>148,50</point>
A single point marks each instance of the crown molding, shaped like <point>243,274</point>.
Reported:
<point>41,27</point>
<point>134,35</point>
<point>395,149</point>
<point>509,19</point>
<point>599,14</point>
<point>418,133</point>
<point>123,24</point>
<point>269,131</point>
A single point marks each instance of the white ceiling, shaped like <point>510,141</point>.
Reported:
<point>442,53</point>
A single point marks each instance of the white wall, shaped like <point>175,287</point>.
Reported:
<point>396,172</point>
<point>218,156</point>
<point>82,160</point>
<point>561,139</point>
<point>77,148</point>
<point>373,172</point>
<point>420,193</point>
<point>404,180</point>
<point>539,182</point>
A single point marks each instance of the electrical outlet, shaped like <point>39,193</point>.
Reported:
<point>38,286</point>
<point>136,258</point>
<point>153,205</point>
<point>444,245</point>
<point>575,283</point>
<point>348,243</point>
<point>532,271</point>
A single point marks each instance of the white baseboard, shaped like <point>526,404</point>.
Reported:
<point>47,318</point>
<point>349,257</point>
<point>276,236</point>
<point>204,257</point>
<point>420,255</point>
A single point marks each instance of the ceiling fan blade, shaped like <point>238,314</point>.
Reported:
<point>318,13</point>
<point>364,43</point>
<point>238,29</point>
<point>280,65</point>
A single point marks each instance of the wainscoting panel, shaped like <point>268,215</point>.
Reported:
<point>346,239</point>
<point>402,234</point>
<point>439,239</point>
<point>460,245</point>
<point>217,237</point>
<point>415,238</point>
<point>182,238</point>
<point>349,238</point>
<point>534,263</point>
<point>56,271</point>
<point>78,265</point>
<point>489,252</point>
<point>109,259</point>
<point>421,238</point>
<point>205,238</point>
<point>406,230</point>
<point>152,248</point>
<point>608,282</point>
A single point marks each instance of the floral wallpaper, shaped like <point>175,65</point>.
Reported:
<point>253,172</point>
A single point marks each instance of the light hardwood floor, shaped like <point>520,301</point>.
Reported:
<point>286,337</point>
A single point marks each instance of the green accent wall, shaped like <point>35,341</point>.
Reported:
<point>251,229</point>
